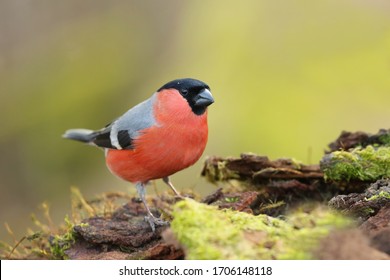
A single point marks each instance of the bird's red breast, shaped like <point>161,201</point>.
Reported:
<point>176,141</point>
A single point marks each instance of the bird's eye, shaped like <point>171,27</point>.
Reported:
<point>184,92</point>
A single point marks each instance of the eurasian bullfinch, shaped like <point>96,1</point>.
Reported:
<point>157,138</point>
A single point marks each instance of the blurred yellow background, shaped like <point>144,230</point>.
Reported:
<point>287,77</point>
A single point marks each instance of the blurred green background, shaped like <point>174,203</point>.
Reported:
<point>287,77</point>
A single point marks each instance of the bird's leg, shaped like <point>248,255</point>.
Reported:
<point>150,218</point>
<point>169,183</point>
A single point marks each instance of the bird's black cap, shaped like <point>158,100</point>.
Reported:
<point>185,84</point>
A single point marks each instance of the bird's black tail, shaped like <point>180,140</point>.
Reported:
<point>80,134</point>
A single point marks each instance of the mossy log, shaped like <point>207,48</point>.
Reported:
<point>263,209</point>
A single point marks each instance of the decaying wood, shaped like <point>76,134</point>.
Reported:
<point>348,140</point>
<point>244,201</point>
<point>363,205</point>
<point>377,222</point>
<point>275,181</point>
<point>265,187</point>
<point>350,244</point>
<point>124,235</point>
<point>257,169</point>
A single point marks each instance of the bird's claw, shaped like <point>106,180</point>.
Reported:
<point>181,197</point>
<point>153,222</point>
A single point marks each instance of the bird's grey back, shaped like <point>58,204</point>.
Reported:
<point>121,133</point>
<point>137,118</point>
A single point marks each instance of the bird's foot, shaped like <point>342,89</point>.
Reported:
<point>179,196</point>
<point>153,222</point>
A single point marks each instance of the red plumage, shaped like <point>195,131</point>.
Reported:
<point>176,142</point>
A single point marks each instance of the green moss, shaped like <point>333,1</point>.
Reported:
<point>381,195</point>
<point>271,207</point>
<point>219,172</point>
<point>208,233</point>
<point>367,211</point>
<point>188,225</point>
<point>296,163</point>
<point>60,243</point>
<point>232,199</point>
<point>368,164</point>
<point>385,139</point>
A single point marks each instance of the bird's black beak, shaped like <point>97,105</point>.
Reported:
<point>204,98</point>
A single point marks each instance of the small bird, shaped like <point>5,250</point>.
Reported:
<point>156,138</point>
